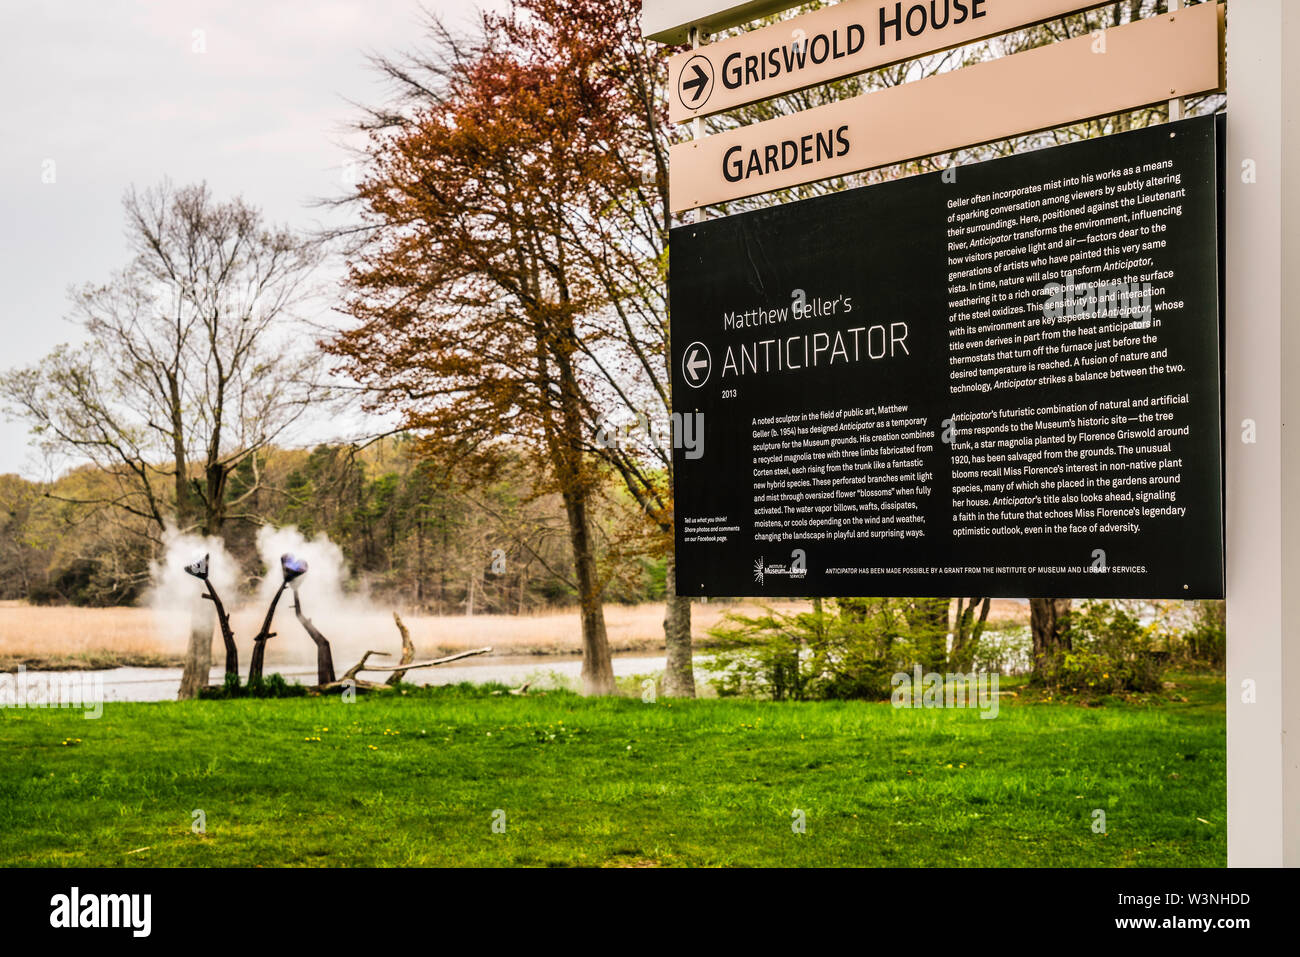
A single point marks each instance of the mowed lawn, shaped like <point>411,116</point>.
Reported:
<point>421,779</point>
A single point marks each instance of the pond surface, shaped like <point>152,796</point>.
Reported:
<point>162,684</point>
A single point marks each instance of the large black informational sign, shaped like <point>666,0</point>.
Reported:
<point>999,380</point>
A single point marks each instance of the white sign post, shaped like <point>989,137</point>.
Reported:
<point>1262,412</point>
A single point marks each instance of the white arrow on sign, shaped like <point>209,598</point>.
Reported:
<point>693,363</point>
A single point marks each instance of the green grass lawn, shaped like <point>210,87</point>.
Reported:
<point>417,780</point>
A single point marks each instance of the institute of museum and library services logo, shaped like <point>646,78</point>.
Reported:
<point>798,567</point>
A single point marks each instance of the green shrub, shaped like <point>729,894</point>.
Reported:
<point>760,656</point>
<point>1111,652</point>
<point>844,648</point>
<point>634,686</point>
<point>274,686</point>
<point>271,686</point>
<point>1206,642</point>
<point>1006,651</point>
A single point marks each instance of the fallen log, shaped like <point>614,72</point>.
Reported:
<point>350,676</point>
<point>521,690</point>
<point>421,664</point>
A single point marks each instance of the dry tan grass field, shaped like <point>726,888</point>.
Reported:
<point>51,637</point>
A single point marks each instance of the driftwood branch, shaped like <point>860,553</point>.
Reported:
<point>426,664</point>
<point>408,649</point>
<point>352,672</point>
<point>350,676</point>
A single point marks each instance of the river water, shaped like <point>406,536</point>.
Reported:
<point>548,671</point>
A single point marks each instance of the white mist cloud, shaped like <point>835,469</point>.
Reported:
<point>173,589</point>
<point>349,620</point>
<point>176,597</point>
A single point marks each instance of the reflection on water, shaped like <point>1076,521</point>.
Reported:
<point>162,684</point>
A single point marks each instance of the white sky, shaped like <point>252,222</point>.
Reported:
<point>113,93</point>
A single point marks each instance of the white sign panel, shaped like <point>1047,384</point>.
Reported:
<point>669,21</point>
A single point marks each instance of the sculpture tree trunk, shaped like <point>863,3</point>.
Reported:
<point>227,635</point>
<point>324,659</point>
<point>259,641</point>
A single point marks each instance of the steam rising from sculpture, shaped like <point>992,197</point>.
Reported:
<point>324,587</point>
<point>292,569</point>
<point>199,570</point>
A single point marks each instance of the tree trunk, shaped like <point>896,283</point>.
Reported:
<point>214,518</point>
<point>442,565</point>
<point>597,667</point>
<point>966,633</point>
<point>1048,618</point>
<point>198,655</point>
<point>928,618</point>
<point>679,670</point>
<point>419,564</point>
<point>566,438</point>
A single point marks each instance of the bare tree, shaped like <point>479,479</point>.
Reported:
<point>189,369</point>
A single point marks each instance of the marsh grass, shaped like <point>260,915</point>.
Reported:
<point>43,637</point>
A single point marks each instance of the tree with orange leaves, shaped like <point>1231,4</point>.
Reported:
<point>619,232</point>
<point>486,279</point>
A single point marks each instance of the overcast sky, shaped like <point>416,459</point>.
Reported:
<point>114,93</point>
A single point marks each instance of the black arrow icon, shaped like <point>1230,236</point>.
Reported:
<point>697,83</point>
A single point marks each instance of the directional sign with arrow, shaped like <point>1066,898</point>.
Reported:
<point>695,82</point>
<point>696,364</point>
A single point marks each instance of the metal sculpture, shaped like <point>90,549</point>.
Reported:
<point>199,570</point>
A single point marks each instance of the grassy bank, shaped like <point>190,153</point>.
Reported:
<point>88,661</point>
<point>418,779</point>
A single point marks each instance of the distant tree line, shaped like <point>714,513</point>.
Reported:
<point>413,534</point>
